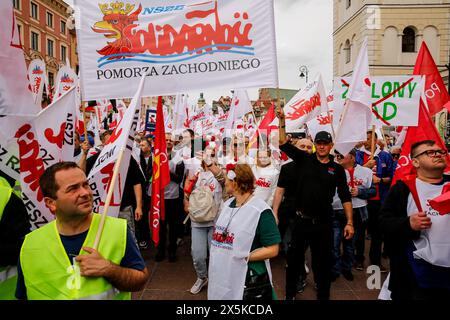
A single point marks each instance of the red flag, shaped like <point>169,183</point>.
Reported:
<point>424,131</point>
<point>435,90</point>
<point>161,174</point>
<point>264,126</point>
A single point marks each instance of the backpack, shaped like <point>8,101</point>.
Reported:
<point>202,207</point>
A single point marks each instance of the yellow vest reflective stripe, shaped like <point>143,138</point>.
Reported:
<point>8,282</point>
<point>50,275</point>
<point>5,195</point>
<point>17,189</point>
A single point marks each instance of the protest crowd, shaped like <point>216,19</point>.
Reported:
<point>239,191</point>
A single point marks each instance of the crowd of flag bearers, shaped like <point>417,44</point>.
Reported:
<point>97,188</point>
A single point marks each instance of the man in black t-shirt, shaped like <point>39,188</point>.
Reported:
<point>316,187</point>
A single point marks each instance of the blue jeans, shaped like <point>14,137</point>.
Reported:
<point>201,242</point>
<point>344,262</point>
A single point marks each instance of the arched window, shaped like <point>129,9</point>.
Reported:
<point>409,40</point>
<point>348,51</point>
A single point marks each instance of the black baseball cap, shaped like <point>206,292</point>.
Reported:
<point>323,136</point>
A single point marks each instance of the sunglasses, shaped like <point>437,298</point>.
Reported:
<point>395,155</point>
<point>339,156</point>
<point>432,153</point>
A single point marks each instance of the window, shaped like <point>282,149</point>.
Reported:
<point>63,53</point>
<point>348,3</point>
<point>51,79</point>
<point>63,27</point>
<point>34,41</point>
<point>50,46</point>
<point>409,40</point>
<point>16,4</point>
<point>50,19</point>
<point>34,10</point>
<point>348,51</point>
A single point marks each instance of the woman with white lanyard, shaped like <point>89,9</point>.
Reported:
<point>245,237</point>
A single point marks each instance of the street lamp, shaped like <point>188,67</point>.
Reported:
<point>304,73</point>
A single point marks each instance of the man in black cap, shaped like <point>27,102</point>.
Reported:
<point>317,183</point>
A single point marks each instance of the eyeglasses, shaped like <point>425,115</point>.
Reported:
<point>432,153</point>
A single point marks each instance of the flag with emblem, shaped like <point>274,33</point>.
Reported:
<point>161,173</point>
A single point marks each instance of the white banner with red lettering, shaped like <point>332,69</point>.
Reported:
<point>37,75</point>
<point>305,105</point>
<point>42,140</point>
<point>322,122</point>
<point>183,45</point>
<point>122,138</point>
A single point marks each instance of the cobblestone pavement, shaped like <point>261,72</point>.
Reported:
<point>172,281</point>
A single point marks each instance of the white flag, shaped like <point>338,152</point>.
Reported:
<point>15,97</point>
<point>357,118</point>
<point>121,139</point>
<point>37,75</point>
<point>55,127</point>
<point>66,79</point>
<point>322,122</point>
<point>240,106</point>
<point>305,105</point>
<point>179,113</point>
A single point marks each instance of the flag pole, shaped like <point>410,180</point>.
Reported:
<point>83,106</point>
<point>372,146</point>
<point>108,198</point>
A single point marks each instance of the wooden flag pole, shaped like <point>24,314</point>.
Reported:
<point>331,124</point>
<point>108,198</point>
<point>372,146</point>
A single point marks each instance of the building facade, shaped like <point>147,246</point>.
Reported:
<point>395,30</point>
<point>46,32</point>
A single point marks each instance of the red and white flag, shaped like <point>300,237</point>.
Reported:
<point>55,128</point>
<point>37,75</point>
<point>240,106</point>
<point>66,79</point>
<point>15,98</point>
<point>305,105</point>
<point>179,113</point>
<point>265,127</point>
<point>356,119</point>
<point>161,174</point>
<point>426,130</point>
<point>122,138</point>
<point>436,96</point>
<point>435,90</point>
<point>320,123</point>
<point>42,140</point>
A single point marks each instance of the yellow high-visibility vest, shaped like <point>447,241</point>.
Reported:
<point>50,275</point>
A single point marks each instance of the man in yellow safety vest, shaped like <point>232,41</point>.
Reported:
<point>58,262</point>
<point>14,225</point>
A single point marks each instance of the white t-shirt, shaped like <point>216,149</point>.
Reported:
<point>172,190</point>
<point>433,245</point>
<point>363,178</point>
<point>266,182</point>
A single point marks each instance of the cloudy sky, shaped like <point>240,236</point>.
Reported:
<point>304,37</point>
